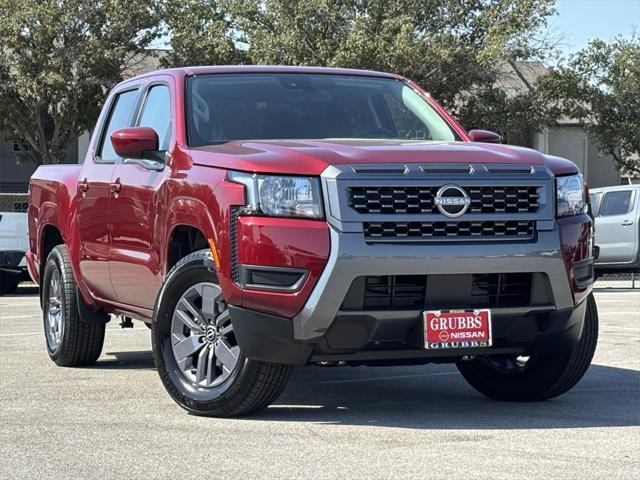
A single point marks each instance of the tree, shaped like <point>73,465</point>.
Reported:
<point>600,85</point>
<point>58,58</point>
<point>454,49</point>
<point>201,34</point>
<point>447,46</point>
<point>516,117</point>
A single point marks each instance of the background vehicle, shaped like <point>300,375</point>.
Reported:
<point>616,211</point>
<point>14,243</point>
<point>263,217</point>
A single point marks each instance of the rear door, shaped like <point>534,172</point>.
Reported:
<point>94,194</point>
<point>135,258</point>
<point>617,227</point>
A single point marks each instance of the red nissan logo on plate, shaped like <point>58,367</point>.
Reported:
<point>443,336</point>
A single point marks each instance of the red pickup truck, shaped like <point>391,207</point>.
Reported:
<point>263,217</point>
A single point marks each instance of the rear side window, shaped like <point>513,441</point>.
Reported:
<point>119,117</point>
<point>616,203</point>
<point>156,114</point>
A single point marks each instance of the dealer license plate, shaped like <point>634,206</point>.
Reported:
<point>457,328</point>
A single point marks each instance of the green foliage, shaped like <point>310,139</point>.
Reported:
<point>600,86</point>
<point>447,46</point>
<point>515,117</point>
<point>58,58</point>
<point>201,34</point>
<point>455,49</point>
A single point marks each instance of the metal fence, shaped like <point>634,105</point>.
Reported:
<point>619,280</point>
<point>14,202</point>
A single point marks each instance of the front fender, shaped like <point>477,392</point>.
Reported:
<point>202,199</point>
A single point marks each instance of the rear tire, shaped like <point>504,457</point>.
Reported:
<point>195,351</point>
<point>540,377</point>
<point>71,341</point>
<point>9,282</point>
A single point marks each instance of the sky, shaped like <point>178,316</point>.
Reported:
<point>579,21</point>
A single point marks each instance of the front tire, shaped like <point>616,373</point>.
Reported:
<point>535,378</point>
<point>71,341</point>
<point>195,350</point>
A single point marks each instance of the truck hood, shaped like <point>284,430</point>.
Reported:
<point>312,157</point>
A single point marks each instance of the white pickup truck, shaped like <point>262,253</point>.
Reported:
<point>14,242</point>
<point>617,216</point>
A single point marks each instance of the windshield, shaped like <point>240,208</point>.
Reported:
<point>264,106</point>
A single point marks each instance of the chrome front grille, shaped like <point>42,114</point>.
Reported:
<point>450,230</point>
<point>419,199</point>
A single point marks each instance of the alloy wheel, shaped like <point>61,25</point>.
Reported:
<point>54,318</point>
<point>202,338</point>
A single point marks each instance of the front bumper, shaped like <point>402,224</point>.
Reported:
<point>323,331</point>
<point>270,338</point>
<point>352,257</point>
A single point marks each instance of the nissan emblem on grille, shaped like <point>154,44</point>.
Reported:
<point>452,201</point>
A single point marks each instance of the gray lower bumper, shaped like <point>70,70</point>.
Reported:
<point>352,257</point>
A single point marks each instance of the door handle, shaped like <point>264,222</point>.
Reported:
<point>83,186</point>
<point>116,186</point>
<point>627,223</point>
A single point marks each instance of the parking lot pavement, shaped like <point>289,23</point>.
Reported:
<point>115,420</point>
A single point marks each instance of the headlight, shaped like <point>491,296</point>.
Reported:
<point>570,195</point>
<point>280,195</point>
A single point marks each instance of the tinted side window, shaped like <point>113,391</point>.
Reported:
<point>119,117</point>
<point>616,203</point>
<point>156,114</point>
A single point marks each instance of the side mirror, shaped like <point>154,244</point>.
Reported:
<point>484,136</point>
<point>133,142</point>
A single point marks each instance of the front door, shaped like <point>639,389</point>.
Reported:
<point>135,257</point>
<point>616,227</point>
<point>94,199</point>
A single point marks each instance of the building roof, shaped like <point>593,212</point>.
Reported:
<point>142,63</point>
<point>518,78</point>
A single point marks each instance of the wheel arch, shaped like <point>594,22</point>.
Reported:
<point>50,237</point>
<point>182,240</point>
<point>190,227</point>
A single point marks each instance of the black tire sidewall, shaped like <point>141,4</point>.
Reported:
<point>82,339</point>
<point>9,282</point>
<point>547,377</point>
<point>199,400</point>
<point>528,385</point>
